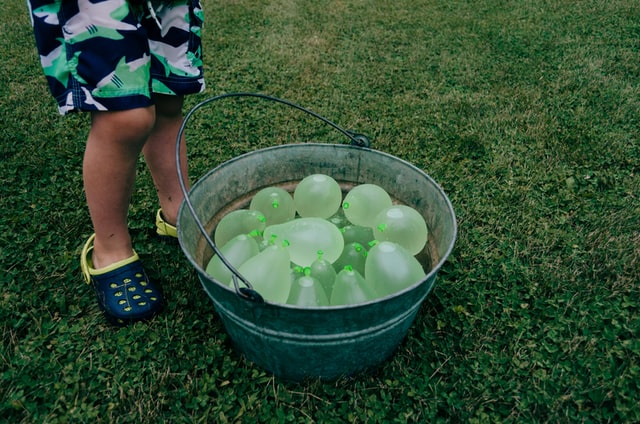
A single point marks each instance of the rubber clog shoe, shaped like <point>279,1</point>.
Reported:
<point>124,292</point>
<point>163,228</point>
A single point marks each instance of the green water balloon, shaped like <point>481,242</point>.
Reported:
<point>403,225</point>
<point>236,251</point>
<point>390,268</point>
<point>307,291</point>
<point>275,203</point>
<point>353,254</point>
<point>357,234</point>
<point>324,271</point>
<point>306,236</point>
<point>351,288</point>
<point>363,202</point>
<point>269,273</point>
<point>338,219</point>
<point>317,195</point>
<point>240,221</point>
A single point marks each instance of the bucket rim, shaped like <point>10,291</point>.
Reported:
<point>431,275</point>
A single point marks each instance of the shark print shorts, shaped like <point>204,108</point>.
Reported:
<point>113,54</point>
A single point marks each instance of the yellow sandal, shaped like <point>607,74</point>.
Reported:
<point>163,228</point>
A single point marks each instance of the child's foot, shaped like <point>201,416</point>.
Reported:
<point>124,292</point>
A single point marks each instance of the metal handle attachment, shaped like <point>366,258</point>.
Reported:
<point>248,293</point>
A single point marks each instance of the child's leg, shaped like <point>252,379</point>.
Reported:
<point>113,146</point>
<point>176,70</point>
<point>159,153</point>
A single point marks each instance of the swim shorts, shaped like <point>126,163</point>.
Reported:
<point>113,54</point>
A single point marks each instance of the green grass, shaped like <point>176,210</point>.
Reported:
<point>527,114</point>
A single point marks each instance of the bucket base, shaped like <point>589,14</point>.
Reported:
<point>297,352</point>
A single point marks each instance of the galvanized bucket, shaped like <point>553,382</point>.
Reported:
<point>296,343</point>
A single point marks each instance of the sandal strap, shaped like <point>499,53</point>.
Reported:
<point>163,228</point>
<point>84,259</point>
<point>87,266</point>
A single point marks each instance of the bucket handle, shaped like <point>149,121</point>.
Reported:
<point>247,292</point>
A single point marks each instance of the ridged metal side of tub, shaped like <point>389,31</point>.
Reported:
<point>295,343</point>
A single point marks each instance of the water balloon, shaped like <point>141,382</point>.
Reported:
<point>307,291</point>
<point>269,273</point>
<point>357,234</point>
<point>324,271</point>
<point>306,236</point>
<point>236,251</point>
<point>275,203</point>
<point>353,254</point>
<point>403,225</point>
<point>391,268</point>
<point>363,202</point>
<point>338,219</point>
<point>240,221</point>
<point>351,288</point>
<point>317,195</point>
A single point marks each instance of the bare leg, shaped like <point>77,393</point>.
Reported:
<point>159,153</point>
<point>113,147</point>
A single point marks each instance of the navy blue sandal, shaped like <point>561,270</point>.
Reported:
<point>125,293</point>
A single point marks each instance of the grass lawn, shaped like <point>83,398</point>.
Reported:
<point>527,114</point>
